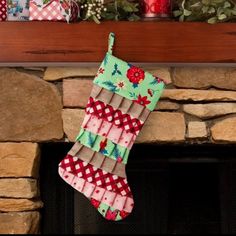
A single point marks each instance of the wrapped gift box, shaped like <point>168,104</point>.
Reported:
<point>53,10</point>
<point>17,10</point>
<point>3,10</point>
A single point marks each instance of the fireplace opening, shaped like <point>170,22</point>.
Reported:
<point>177,189</point>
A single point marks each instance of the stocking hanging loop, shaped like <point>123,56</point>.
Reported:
<point>111,42</point>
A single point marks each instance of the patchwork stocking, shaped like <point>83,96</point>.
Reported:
<point>121,100</point>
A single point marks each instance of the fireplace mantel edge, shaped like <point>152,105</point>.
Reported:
<point>176,43</point>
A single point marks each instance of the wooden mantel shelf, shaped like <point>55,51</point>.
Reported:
<point>151,42</point>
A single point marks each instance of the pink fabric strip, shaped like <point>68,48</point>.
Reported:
<point>100,194</point>
<point>106,129</point>
<point>114,116</point>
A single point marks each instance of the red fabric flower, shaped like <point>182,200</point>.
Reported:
<point>119,159</point>
<point>159,80</point>
<point>101,70</point>
<point>135,75</point>
<point>103,144</point>
<point>142,100</point>
<point>120,84</point>
<point>111,215</point>
<point>123,214</point>
<point>95,203</point>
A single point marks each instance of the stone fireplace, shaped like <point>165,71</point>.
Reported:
<point>43,106</point>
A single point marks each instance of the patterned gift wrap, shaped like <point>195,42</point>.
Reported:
<point>18,10</point>
<point>3,10</point>
<point>53,10</point>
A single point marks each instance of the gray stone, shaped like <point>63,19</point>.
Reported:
<point>197,129</point>
<point>167,105</point>
<point>224,130</point>
<point>17,204</point>
<point>18,188</point>
<point>210,110</point>
<point>76,92</point>
<point>72,120</point>
<point>20,222</point>
<point>19,159</point>
<point>198,95</point>
<point>161,72</point>
<point>58,73</point>
<point>190,77</point>
<point>31,106</point>
<point>163,127</point>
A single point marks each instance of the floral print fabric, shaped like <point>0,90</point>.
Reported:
<point>129,81</point>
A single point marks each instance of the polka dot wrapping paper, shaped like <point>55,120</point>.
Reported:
<point>3,10</point>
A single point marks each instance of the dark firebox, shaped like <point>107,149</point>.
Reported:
<point>177,189</point>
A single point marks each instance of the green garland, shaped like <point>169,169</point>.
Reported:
<point>211,11</point>
<point>97,10</point>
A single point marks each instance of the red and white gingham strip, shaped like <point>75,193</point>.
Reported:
<point>96,176</point>
<point>116,116</point>
<point>51,11</point>
<point>3,10</point>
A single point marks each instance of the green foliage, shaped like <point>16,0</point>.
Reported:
<point>97,10</point>
<point>212,11</point>
<point>46,1</point>
<point>121,10</point>
<point>91,10</point>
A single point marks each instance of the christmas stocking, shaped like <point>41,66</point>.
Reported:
<point>120,102</point>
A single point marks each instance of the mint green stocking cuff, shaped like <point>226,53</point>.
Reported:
<point>128,81</point>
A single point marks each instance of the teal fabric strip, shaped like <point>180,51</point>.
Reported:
<point>103,145</point>
<point>118,217</point>
<point>111,41</point>
<point>129,81</point>
<point>103,208</point>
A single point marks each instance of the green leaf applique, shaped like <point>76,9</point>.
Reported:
<point>116,70</point>
<point>110,86</point>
